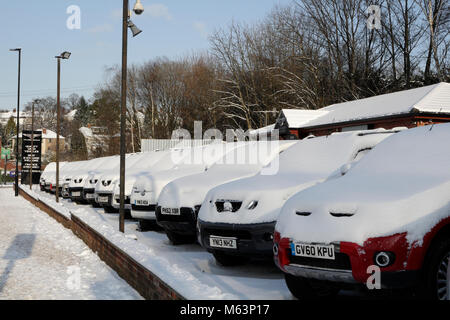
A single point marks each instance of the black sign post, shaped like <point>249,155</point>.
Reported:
<point>26,156</point>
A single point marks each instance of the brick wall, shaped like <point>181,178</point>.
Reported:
<point>136,275</point>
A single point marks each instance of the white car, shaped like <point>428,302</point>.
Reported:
<point>179,163</point>
<point>50,180</point>
<point>80,175</point>
<point>149,161</point>
<point>180,200</point>
<point>104,188</point>
<point>110,163</point>
<point>49,169</point>
<point>390,213</point>
<point>237,219</point>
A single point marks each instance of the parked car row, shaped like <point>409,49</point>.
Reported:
<point>333,212</point>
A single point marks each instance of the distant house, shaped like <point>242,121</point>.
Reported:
<point>290,121</point>
<point>48,141</point>
<point>5,116</point>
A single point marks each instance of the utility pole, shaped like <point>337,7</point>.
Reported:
<point>16,187</point>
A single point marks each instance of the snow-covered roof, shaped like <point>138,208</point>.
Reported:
<point>296,118</point>
<point>264,130</point>
<point>434,98</point>
<point>71,115</point>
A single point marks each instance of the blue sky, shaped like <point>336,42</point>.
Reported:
<point>171,28</point>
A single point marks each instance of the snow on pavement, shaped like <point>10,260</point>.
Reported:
<point>40,259</point>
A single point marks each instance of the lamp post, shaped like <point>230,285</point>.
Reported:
<point>65,55</point>
<point>126,23</point>
<point>16,186</point>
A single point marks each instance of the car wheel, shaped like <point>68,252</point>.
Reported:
<point>302,288</point>
<point>177,239</point>
<point>228,260</point>
<point>437,275</point>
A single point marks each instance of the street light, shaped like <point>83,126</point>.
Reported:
<point>65,55</point>
<point>126,23</point>
<point>16,187</point>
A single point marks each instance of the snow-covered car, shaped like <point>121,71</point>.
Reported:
<point>148,162</point>
<point>389,215</point>
<point>110,163</point>
<point>180,163</point>
<point>104,188</point>
<point>50,180</point>
<point>237,219</point>
<point>67,175</point>
<point>181,199</point>
<point>80,175</point>
<point>49,169</point>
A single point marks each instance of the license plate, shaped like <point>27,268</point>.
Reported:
<point>76,194</point>
<point>89,196</point>
<point>313,251</point>
<point>141,202</point>
<point>103,199</point>
<point>222,242</point>
<point>171,211</point>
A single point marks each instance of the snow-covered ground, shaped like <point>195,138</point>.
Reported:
<point>40,259</point>
<point>191,270</point>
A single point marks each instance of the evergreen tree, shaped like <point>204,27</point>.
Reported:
<point>84,112</point>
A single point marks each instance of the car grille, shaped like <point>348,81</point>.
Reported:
<point>151,207</point>
<point>240,234</point>
<point>341,262</point>
<point>236,205</point>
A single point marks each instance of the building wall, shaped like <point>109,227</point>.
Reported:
<point>49,145</point>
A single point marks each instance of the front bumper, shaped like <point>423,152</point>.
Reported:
<point>143,212</point>
<point>89,195</point>
<point>184,223</point>
<point>255,239</point>
<point>353,263</point>
<point>104,199</point>
<point>76,194</point>
<point>116,202</point>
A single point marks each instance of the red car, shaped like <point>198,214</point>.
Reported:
<point>385,224</point>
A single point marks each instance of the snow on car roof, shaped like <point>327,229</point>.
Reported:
<point>304,164</point>
<point>434,98</point>
<point>400,186</point>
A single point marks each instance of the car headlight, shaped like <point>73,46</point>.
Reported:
<point>252,205</point>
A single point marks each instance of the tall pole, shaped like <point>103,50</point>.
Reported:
<point>32,145</point>
<point>58,96</point>
<point>123,106</point>
<point>16,189</point>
